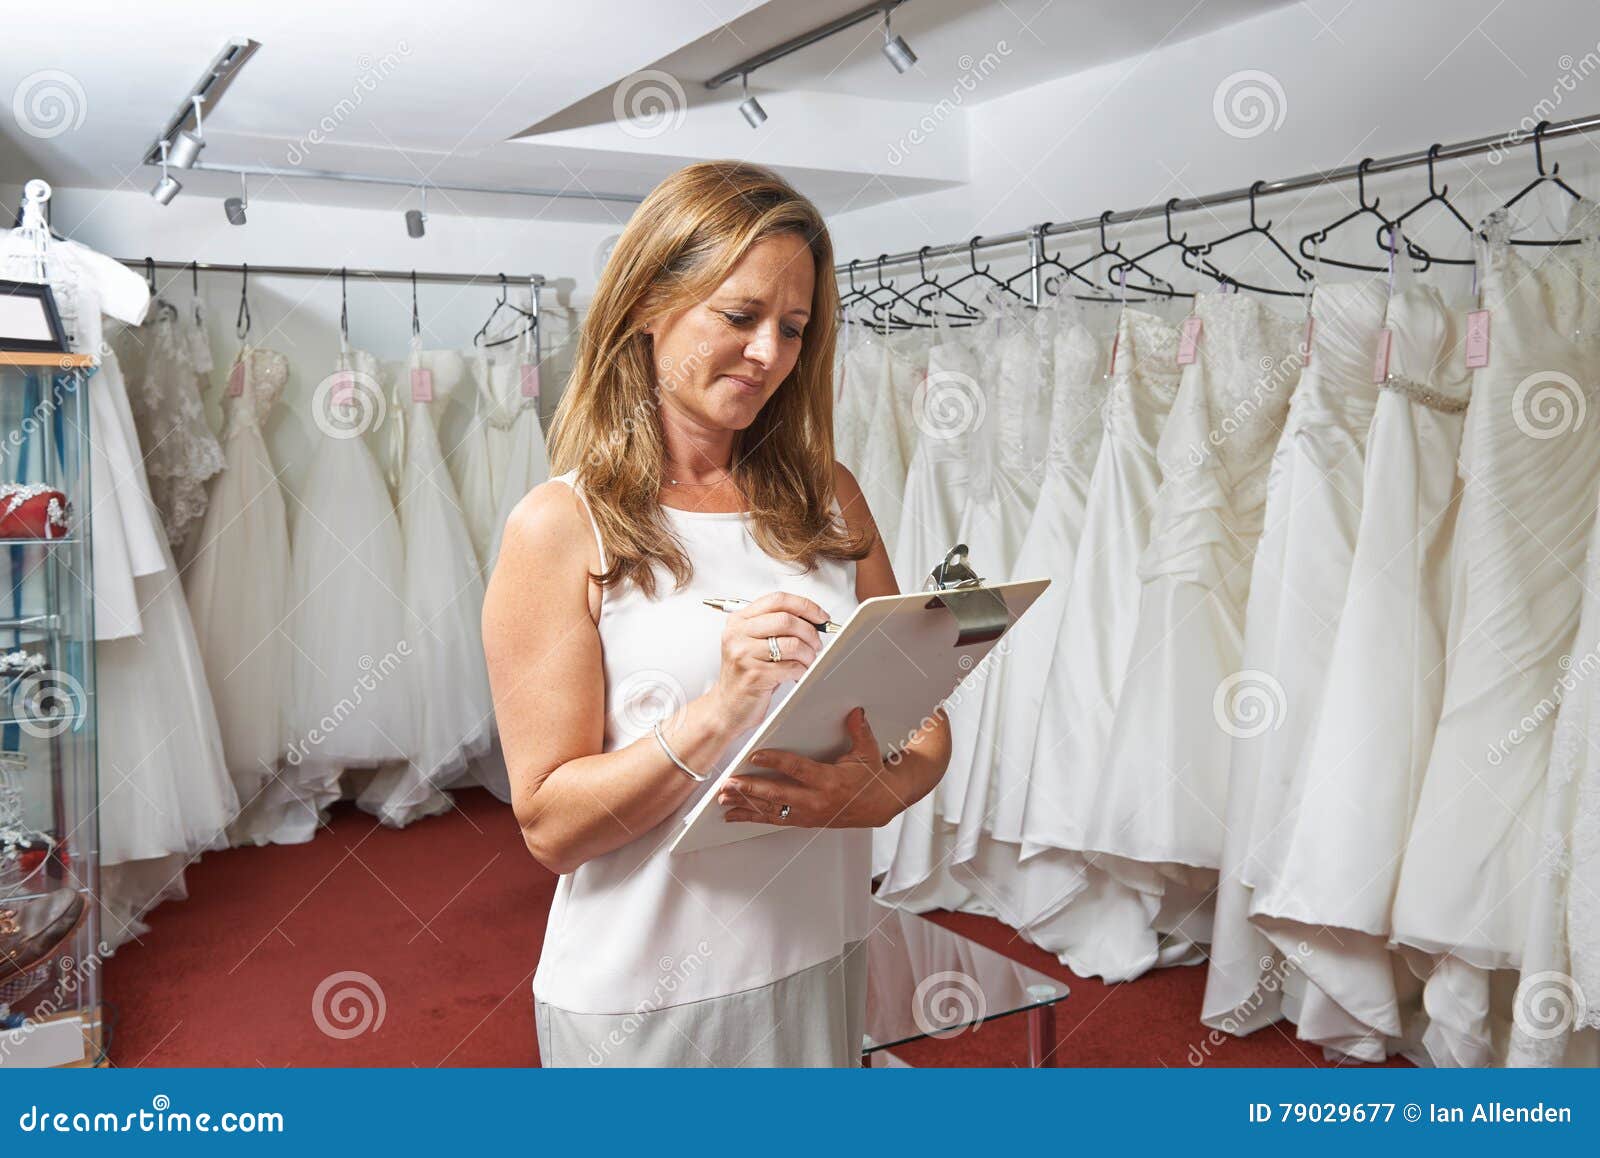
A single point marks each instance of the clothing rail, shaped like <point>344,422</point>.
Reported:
<point>535,280</point>
<point>1036,235</point>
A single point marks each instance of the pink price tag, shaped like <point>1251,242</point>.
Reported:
<point>236,380</point>
<point>530,380</point>
<point>1477,339</point>
<point>1380,360</point>
<point>1305,344</point>
<point>1189,341</point>
<point>344,389</point>
<point>422,385</point>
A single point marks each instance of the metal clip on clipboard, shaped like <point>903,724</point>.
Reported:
<point>981,615</point>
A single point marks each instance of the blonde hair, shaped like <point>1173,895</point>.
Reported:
<point>680,245</point>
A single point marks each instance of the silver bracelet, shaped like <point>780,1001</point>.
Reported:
<point>673,756</point>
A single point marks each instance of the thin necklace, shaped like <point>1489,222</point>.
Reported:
<point>712,483</point>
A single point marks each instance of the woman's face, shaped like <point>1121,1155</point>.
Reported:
<point>717,362</point>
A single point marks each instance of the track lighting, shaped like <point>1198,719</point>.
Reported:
<point>896,49</point>
<point>169,186</point>
<point>750,107</point>
<point>234,207</point>
<point>416,219</point>
<point>186,146</point>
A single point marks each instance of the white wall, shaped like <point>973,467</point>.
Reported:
<point>1357,78</point>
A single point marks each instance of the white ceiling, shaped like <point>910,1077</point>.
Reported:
<point>438,92</point>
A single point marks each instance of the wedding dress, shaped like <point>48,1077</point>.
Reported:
<point>517,457</point>
<point>989,833</point>
<point>354,673</point>
<point>950,406</point>
<point>1164,784</point>
<point>1556,1008</point>
<point>1298,585</point>
<point>1531,461</point>
<point>443,593</point>
<point>239,610</point>
<point>878,467</point>
<point>180,451</point>
<point>1095,924</point>
<point>1003,487</point>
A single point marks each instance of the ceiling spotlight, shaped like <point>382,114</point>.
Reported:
<point>750,107</point>
<point>234,207</point>
<point>896,49</point>
<point>168,187</point>
<point>186,146</point>
<point>416,218</point>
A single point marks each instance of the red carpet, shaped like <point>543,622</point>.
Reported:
<point>445,918</point>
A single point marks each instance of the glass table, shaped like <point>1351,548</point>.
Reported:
<point>923,981</point>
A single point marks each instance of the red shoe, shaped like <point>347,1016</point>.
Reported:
<point>32,511</point>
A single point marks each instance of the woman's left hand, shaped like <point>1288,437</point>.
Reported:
<point>852,792</point>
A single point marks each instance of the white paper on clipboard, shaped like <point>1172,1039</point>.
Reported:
<point>899,657</point>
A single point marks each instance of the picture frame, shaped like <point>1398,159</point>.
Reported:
<point>29,319</point>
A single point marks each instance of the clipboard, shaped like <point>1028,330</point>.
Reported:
<point>899,657</point>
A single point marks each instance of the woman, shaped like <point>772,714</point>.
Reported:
<point>693,447</point>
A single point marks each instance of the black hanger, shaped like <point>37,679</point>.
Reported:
<point>532,328</point>
<point>416,320</point>
<point>885,307</point>
<point>1310,244</point>
<point>1118,272</point>
<point>935,290</point>
<point>1436,193</point>
<point>500,304</point>
<point>868,295</point>
<point>241,324</point>
<point>1553,177</point>
<point>344,304</point>
<point>1114,293</point>
<point>1052,283</point>
<point>989,278</point>
<point>1201,253</point>
<point>150,274</point>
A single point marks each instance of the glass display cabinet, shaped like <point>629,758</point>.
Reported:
<point>50,950</point>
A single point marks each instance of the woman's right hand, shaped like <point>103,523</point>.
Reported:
<point>748,675</point>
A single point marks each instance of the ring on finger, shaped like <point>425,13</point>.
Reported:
<point>783,813</point>
<point>773,653</point>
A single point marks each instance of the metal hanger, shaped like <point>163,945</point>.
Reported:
<point>1201,253</point>
<point>1118,272</point>
<point>241,324</point>
<point>1436,194</point>
<point>1553,177</point>
<point>1311,244</point>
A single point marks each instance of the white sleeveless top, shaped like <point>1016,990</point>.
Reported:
<point>641,928</point>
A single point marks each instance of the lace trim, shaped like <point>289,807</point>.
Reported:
<point>1417,392</point>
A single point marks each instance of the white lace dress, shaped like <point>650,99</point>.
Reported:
<point>180,451</point>
<point>443,592</point>
<point>1163,788</point>
<point>518,461</point>
<point>239,610</point>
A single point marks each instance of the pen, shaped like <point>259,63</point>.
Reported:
<point>734,604</point>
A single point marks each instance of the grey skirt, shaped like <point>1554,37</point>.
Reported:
<point>815,1017</point>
